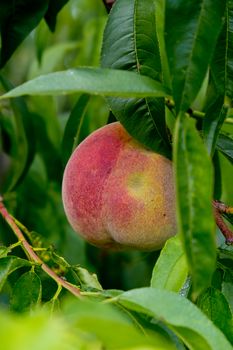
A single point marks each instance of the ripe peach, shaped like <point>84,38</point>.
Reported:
<point>116,193</point>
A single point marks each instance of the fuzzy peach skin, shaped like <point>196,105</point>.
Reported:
<point>117,194</point>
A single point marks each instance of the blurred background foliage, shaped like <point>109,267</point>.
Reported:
<point>36,200</point>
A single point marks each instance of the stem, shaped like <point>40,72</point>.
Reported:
<point>58,291</point>
<point>222,207</point>
<point>23,228</point>
<point>197,114</point>
<point>14,245</point>
<point>32,255</point>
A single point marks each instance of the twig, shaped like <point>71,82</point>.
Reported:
<point>32,255</point>
<point>222,207</point>
<point>194,113</point>
<point>219,208</point>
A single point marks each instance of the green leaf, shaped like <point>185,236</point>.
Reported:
<point>225,145</point>
<point>26,292</point>
<point>24,140</point>
<point>192,29</point>
<point>115,328</point>
<point>137,24</point>
<point>213,121</point>
<point>10,264</point>
<point>222,62</point>
<point>160,10</point>
<point>72,130</point>
<point>51,15</point>
<point>226,256</point>
<point>130,43</point>
<point>178,314</point>
<point>87,279</point>
<point>97,81</point>
<point>17,19</point>
<point>213,303</point>
<point>170,271</point>
<point>194,184</point>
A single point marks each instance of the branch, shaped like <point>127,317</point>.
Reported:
<point>32,255</point>
<point>221,208</point>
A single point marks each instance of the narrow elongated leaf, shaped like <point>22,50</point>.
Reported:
<point>179,314</point>
<point>71,134</point>
<point>18,18</point>
<point>213,121</point>
<point>192,29</point>
<point>130,43</point>
<point>171,270</point>
<point>26,292</point>
<point>9,265</point>
<point>215,306</point>
<point>160,10</point>
<point>222,62</point>
<point>225,145</point>
<point>97,81</point>
<point>194,183</point>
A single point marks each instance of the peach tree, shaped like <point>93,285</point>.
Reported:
<point>164,70</point>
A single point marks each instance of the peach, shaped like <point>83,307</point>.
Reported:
<point>116,193</point>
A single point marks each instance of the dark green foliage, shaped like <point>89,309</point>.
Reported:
<point>9,265</point>
<point>19,17</point>
<point>192,29</point>
<point>193,167</point>
<point>215,306</point>
<point>135,47</point>
<point>26,292</point>
<point>222,61</point>
<point>213,121</point>
<point>225,144</point>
